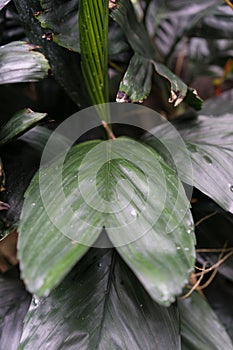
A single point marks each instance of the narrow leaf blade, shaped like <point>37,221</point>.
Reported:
<point>93,28</point>
<point>19,123</point>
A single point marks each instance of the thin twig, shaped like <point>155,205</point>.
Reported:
<point>229,4</point>
<point>218,263</point>
<point>205,218</point>
<point>195,285</point>
<point>210,279</point>
<point>216,250</point>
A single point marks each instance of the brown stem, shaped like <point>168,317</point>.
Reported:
<point>109,132</point>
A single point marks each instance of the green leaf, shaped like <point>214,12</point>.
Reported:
<point>3,3</point>
<point>100,305</point>
<point>217,25</point>
<point>20,162</point>
<point>169,22</point>
<point>138,74</point>
<point>66,69</point>
<point>220,105</point>
<point>209,141</point>
<point>200,327</point>
<point>20,63</point>
<point>45,253</point>
<point>136,83</point>
<point>62,18</point>
<point>160,252</point>
<point>93,28</point>
<point>19,123</point>
<point>14,304</point>
<point>219,294</point>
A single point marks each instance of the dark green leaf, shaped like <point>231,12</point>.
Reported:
<point>100,305</point>
<point>137,88</point>
<point>93,28</point>
<point>3,3</point>
<point>217,25</point>
<point>14,303</point>
<point>220,105</point>
<point>219,294</point>
<point>62,18</point>
<point>66,69</point>
<point>200,327</point>
<point>19,123</point>
<point>20,162</point>
<point>169,22</point>
<point>168,256</point>
<point>51,254</point>
<point>20,63</point>
<point>209,141</point>
<point>136,82</point>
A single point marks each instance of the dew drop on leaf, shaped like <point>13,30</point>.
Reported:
<point>207,159</point>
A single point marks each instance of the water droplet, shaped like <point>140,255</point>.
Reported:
<point>134,213</point>
<point>178,248</point>
<point>35,301</point>
<point>231,188</point>
<point>189,231</point>
<point>33,204</point>
<point>207,159</point>
<point>186,249</point>
<point>141,305</point>
<point>99,264</point>
<point>192,148</point>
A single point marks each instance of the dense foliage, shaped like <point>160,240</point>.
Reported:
<point>90,278</point>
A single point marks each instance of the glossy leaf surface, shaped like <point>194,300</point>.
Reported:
<point>137,88</point>
<point>209,141</point>
<point>20,63</point>
<point>100,305</point>
<point>200,327</point>
<point>19,123</point>
<point>14,303</point>
<point>148,229</point>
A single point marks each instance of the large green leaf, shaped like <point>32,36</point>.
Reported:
<point>19,123</point>
<point>93,28</point>
<point>20,63</point>
<point>100,305</point>
<point>136,87</point>
<point>14,304</point>
<point>153,233</point>
<point>62,18</point>
<point>200,327</point>
<point>209,141</point>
